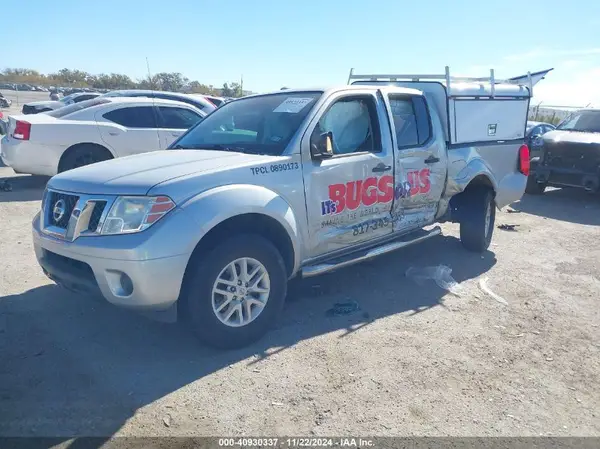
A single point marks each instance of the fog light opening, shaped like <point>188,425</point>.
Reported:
<point>126,284</point>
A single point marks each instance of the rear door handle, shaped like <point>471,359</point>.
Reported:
<point>381,168</point>
<point>176,134</point>
<point>432,160</point>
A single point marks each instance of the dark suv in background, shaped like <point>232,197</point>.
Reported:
<point>570,155</point>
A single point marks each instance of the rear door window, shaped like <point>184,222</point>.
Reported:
<point>405,121</point>
<point>177,118</point>
<point>133,117</point>
<point>411,120</point>
<point>66,110</point>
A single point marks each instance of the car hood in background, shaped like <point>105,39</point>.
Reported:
<point>137,174</point>
<point>572,150</point>
<point>45,104</point>
<point>558,136</point>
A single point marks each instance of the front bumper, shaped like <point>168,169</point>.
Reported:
<point>567,177</point>
<point>97,265</point>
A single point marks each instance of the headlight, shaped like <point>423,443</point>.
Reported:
<point>130,214</point>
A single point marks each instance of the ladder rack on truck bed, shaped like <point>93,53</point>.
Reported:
<point>471,109</point>
<point>528,80</point>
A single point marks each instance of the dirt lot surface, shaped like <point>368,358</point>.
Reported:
<point>415,360</point>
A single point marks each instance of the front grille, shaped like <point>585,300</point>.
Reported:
<point>96,215</point>
<point>60,202</point>
<point>579,156</point>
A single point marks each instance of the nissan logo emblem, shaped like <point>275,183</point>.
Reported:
<point>59,210</point>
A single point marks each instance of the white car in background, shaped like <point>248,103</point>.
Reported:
<point>198,101</point>
<point>93,131</point>
<point>35,107</point>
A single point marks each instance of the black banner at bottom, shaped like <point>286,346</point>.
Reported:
<point>301,442</point>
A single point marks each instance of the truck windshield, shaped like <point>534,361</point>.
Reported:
<point>263,124</point>
<point>584,121</point>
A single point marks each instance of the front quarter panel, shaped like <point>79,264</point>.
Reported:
<point>214,206</point>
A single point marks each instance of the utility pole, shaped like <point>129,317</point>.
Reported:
<point>241,85</point>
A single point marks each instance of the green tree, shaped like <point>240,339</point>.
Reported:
<point>231,90</point>
<point>226,90</point>
<point>173,82</point>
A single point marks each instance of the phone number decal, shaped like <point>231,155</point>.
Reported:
<point>275,168</point>
<point>377,223</point>
<point>372,225</point>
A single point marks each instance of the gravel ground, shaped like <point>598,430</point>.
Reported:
<point>416,360</point>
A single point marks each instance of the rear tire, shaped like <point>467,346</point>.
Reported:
<point>206,311</point>
<point>533,187</point>
<point>478,215</point>
<point>82,155</point>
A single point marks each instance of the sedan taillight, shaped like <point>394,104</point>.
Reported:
<point>22,130</point>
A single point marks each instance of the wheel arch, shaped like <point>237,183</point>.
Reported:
<point>74,148</point>
<point>249,223</point>
<point>480,181</point>
<point>246,208</point>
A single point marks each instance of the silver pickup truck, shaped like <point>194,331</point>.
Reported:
<point>296,182</point>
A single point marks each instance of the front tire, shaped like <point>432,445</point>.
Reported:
<point>234,294</point>
<point>478,216</point>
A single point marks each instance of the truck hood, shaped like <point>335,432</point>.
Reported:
<point>46,104</point>
<point>557,136</point>
<point>138,174</point>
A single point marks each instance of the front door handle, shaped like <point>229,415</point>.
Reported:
<point>432,160</point>
<point>176,134</point>
<point>381,168</point>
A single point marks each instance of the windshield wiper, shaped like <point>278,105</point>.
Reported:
<point>220,147</point>
<point>186,147</point>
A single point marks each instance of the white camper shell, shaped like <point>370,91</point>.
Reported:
<point>473,110</point>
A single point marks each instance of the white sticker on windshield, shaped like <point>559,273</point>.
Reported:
<point>293,105</point>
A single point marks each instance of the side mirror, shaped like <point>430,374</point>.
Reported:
<point>322,147</point>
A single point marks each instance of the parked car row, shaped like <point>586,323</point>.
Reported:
<point>94,130</point>
<point>63,90</point>
<point>36,107</point>
<point>23,87</point>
